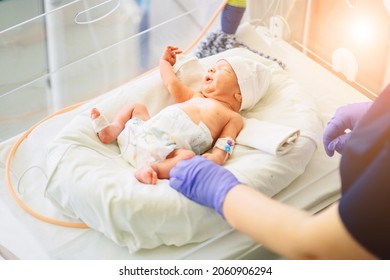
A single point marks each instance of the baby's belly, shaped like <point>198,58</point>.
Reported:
<point>193,112</point>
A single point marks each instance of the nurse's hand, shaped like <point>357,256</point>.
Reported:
<point>346,117</point>
<point>203,181</point>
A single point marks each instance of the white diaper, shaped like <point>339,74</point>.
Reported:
<point>143,142</point>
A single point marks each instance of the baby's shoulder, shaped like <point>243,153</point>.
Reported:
<point>237,115</point>
<point>236,118</point>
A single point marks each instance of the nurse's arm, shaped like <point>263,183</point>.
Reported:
<point>288,231</point>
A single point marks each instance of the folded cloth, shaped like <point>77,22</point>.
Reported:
<point>189,71</point>
<point>268,137</point>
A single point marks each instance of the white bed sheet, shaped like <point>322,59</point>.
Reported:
<point>316,188</point>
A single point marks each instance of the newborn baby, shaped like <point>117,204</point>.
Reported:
<point>196,123</point>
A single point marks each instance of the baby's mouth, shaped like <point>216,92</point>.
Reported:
<point>208,79</point>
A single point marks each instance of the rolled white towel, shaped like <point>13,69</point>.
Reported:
<point>272,138</point>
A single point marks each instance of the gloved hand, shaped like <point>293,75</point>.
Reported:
<point>231,16</point>
<point>203,181</point>
<point>346,117</point>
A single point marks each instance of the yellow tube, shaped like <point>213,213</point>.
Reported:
<point>237,3</point>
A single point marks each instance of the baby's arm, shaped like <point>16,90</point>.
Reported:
<point>178,90</point>
<point>225,143</point>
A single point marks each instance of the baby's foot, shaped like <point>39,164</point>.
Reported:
<point>95,113</point>
<point>146,175</point>
<point>107,133</point>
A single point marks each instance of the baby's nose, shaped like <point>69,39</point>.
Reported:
<point>211,70</point>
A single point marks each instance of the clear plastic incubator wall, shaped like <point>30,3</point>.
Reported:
<point>55,53</point>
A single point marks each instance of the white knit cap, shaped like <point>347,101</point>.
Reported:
<point>253,79</point>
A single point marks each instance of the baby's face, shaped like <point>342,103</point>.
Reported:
<point>221,78</point>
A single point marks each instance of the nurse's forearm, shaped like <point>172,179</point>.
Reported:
<point>275,225</point>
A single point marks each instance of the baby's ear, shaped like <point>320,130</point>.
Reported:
<point>238,97</point>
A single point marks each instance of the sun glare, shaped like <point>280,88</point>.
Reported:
<point>362,30</point>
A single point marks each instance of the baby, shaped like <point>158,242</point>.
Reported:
<point>193,125</point>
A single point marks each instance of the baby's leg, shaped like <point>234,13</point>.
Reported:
<point>163,168</point>
<point>149,174</point>
<point>111,132</point>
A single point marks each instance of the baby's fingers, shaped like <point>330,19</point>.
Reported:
<point>174,50</point>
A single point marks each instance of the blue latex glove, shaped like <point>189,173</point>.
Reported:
<point>346,117</point>
<point>231,18</point>
<point>203,181</point>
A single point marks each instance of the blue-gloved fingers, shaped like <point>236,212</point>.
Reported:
<point>203,181</point>
<point>345,117</point>
<point>331,133</point>
<point>184,175</point>
<point>337,144</point>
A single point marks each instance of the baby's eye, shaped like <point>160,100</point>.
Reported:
<point>225,69</point>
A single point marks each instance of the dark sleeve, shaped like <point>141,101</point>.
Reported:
<point>365,206</point>
<point>365,175</point>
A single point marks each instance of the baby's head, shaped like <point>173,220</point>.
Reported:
<point>253,79</point>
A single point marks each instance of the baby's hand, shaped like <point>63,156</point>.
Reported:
<point>214,158</point>
<point>170,53</point>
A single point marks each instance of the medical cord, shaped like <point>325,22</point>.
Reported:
<point>18,187</point>
<point>67,109</point>
<point>207,27</point>
<point>48,177</point>
<point>42,169</point>
<point>9,181</point>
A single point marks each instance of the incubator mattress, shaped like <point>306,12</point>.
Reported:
<point>133,221</point>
